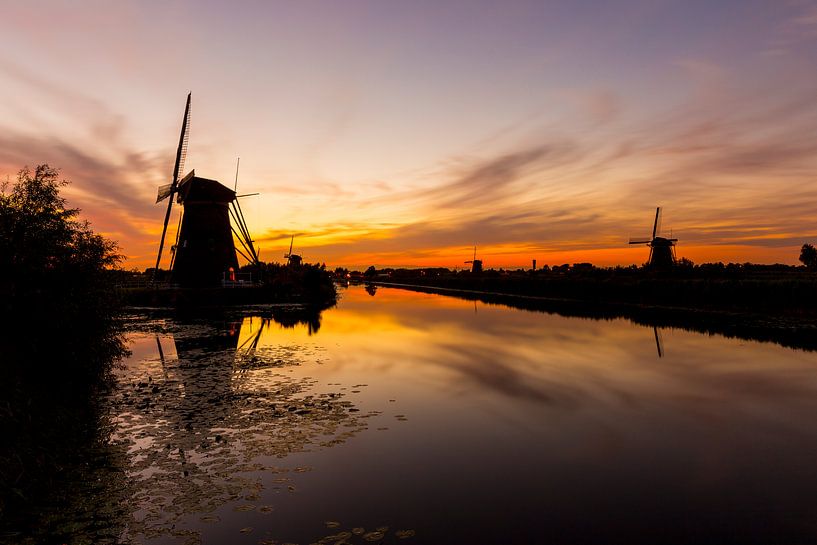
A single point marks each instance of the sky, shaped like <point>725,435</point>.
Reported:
<point>395,133</point>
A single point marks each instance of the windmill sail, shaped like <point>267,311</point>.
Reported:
<point>164,192</point>
<point>181,153</point>
<point>659,342</point>
<point>656,227</point>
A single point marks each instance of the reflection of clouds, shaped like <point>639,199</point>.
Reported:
<point>568,363</point>
<point>496,370</point>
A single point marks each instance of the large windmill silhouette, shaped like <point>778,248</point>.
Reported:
<point>662,250</point>
<point>204,253</point>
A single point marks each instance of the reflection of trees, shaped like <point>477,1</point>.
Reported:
<point>291,317</point>
<point>371,289</point>
<point>790,331</point>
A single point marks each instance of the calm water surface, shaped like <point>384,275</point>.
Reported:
<point>416,418</point>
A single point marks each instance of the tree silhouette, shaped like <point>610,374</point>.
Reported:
<point>52,264</point>
<point>808,256</point>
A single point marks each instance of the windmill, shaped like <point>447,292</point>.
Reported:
<point>205,252</point>
<point>662,250</point>
<point>476,264</point>
<point>293,260</point>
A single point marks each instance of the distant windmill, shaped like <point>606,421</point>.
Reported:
<point>204,253</point>
<point>662,250</point>
<point>476,264</point>
<point>292,259</point>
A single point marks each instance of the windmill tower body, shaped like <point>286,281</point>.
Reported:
<point>662,253</point>
<point>205,253</point>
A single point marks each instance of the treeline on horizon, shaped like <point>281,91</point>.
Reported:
<point>742,287</point>
<point>683,268</point>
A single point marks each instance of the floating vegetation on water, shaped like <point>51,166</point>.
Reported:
<point>379,534</point>
<point>201,428</point>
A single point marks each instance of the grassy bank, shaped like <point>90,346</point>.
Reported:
<point>785,290</point>
<point>305,284</point>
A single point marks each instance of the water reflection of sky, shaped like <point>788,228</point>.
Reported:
<point>505,426</point>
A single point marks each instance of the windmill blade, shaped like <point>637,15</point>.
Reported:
<point>640,241</point>
<point>657,219</point>
<point>291,242</point>
<point>181,153</point>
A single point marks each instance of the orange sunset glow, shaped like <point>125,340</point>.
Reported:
<point>403,135</point>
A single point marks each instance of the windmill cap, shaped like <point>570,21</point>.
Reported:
<point>196,189</point>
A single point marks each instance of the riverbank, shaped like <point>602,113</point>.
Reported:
<point>751,288</point>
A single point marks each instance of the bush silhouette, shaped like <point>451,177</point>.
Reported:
<point>808,256</point>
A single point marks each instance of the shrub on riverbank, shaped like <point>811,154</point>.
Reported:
<point>54,278</point>
<point>59,335</point>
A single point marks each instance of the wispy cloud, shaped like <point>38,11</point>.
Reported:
<point>111,182</point>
